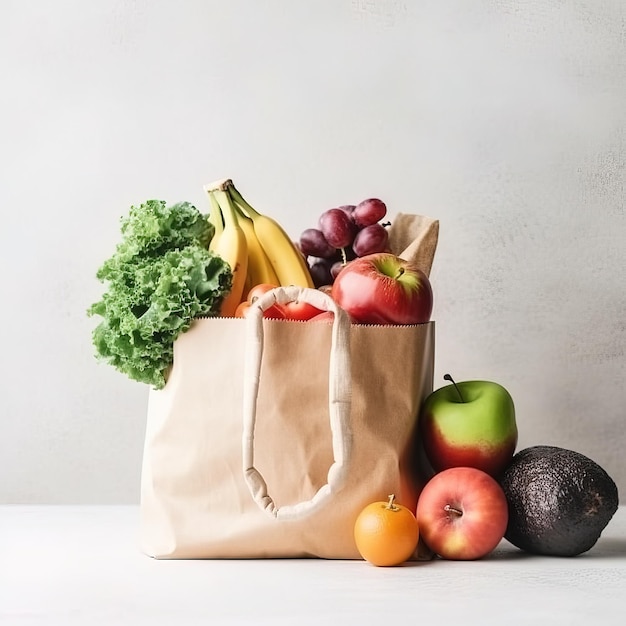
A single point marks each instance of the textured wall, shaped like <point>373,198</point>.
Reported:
<point>502,118</point>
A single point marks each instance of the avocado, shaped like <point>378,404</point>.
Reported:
<point>559,500</point>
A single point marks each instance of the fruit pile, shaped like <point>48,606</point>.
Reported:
<point>544,500</point>
<point>175,264</point>
<point>343,234</point>
<point>348,256</point>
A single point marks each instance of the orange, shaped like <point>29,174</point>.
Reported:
<point>386,533</point>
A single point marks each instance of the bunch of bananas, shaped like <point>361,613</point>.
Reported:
<point>255,246</point>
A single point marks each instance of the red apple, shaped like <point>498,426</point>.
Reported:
<point>462,513</point>
<point>382,288</point>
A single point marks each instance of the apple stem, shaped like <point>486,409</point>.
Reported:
<point>448,377</point>
<point>390,505</point>
<point>450,509</point>
<point>400,272</point>
<point>344,256</point>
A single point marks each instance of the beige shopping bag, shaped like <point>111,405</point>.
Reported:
<point>270,436</point>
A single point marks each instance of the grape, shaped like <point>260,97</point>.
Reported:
<point>369,212</point>
<point>371,239</point>
<point>337,227</point>
<point>320,273</point>
<point>313,243</point>
<point>348,209</point>
<point>335,268</point>
<point>343,234</point>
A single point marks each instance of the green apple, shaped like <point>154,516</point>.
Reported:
<point>469,424</point>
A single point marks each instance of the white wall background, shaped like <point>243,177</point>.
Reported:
<point>505,119</point>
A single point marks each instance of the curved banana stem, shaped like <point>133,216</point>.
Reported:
<point>215,216</point>
<point>226,206</point>
<point>240,201</point>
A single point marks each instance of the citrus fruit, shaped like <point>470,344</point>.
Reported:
<point>386,533</point>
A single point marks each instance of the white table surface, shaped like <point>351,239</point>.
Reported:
<point>81,565</point>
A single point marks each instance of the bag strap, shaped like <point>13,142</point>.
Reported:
<point>339,398</point>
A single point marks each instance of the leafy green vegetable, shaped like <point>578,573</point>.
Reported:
<point>160,278</point>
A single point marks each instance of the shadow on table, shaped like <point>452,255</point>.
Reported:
<point>608,548</point>
<point>605,548</point>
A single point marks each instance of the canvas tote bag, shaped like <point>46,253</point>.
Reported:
<point>270,436</point>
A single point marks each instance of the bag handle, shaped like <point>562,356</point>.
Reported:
<point>339,398</point>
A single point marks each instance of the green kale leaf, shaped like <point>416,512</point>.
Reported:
<point>159,279</point>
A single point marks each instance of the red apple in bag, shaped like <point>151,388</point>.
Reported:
<point>382,288</point>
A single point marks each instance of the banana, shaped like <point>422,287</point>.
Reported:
<point>260,270</point>
<point>232,246</point>
<point>215,217</point>
<point>288,263</point>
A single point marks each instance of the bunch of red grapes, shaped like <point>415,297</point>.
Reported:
<point>343,234</point>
